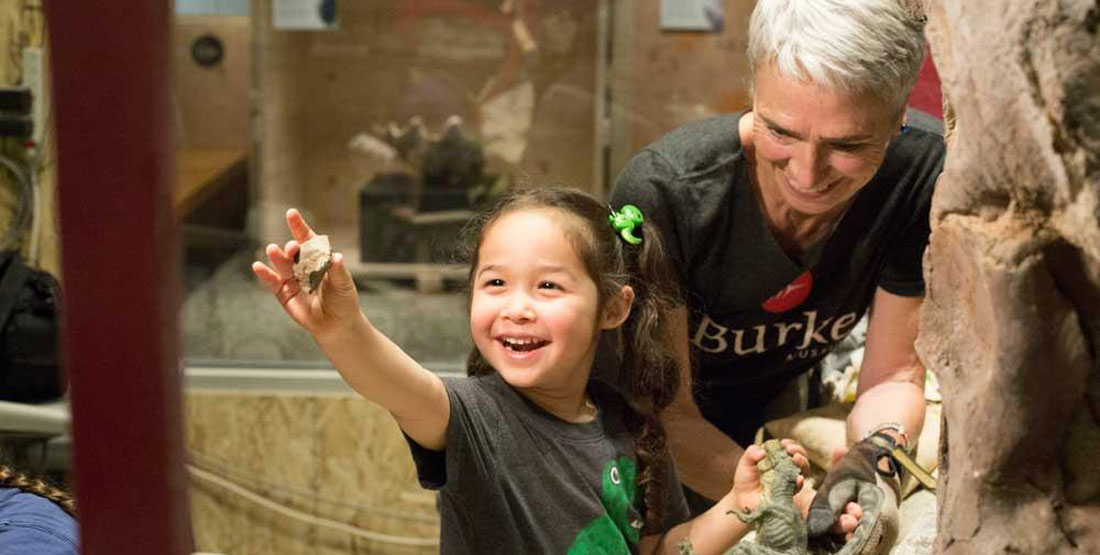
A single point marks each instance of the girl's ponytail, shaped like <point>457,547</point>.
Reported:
<point>649,369</point>
<point>9,478</point>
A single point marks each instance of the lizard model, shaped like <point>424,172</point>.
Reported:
<point>780,528</point>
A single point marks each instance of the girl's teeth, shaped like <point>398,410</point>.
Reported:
<point>522,344</point>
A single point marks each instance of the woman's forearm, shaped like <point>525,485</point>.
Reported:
<point>899,403</point>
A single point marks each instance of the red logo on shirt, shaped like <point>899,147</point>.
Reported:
<point>791,295</point>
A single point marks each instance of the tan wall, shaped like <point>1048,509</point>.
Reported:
<point>332,456</point>
<point>662,79</point>
<point>212,104</point>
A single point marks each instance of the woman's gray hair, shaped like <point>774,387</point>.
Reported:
<point>858,46</point>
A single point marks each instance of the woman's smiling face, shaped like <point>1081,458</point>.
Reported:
<point>534,308</point>
<point>815,147</point>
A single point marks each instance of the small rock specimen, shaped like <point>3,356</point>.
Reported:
<point>312,261</point>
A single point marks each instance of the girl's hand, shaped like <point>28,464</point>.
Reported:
<point>746,486</point>
<point>333,307</point>
<point>845,523</point>
<point>746,479</point>
<point>848,519</point>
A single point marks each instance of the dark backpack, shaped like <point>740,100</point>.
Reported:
<point>30,335</point>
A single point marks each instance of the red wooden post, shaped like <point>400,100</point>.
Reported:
<point>111,69</point>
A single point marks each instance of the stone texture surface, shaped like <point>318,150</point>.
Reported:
<point>1011,322</point>
<point>336,457</point>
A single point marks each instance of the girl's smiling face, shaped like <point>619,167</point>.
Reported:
<point>534,309</point>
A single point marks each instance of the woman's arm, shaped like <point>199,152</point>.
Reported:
<point>890,398</point>
<point>891,378</point>
<point>705,457</point>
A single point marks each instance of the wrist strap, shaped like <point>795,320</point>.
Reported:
<point>894,426</point>
<point>903,459</point>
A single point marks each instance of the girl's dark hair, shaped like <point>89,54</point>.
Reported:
<point>649,374</point>
<point>9,478</point>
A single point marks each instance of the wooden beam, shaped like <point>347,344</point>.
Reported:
<point>111,68</point>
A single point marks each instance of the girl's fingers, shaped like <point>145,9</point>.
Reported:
<point>339,273</point>
<point>801,462</point>
<point>291,250</point>
<point>854,509</point>
<point>298,226</point>
<point>838,454</point>
<point>793,448</point>
<point>848,521</point>
<point>798,454</point>
<point>283,264</point>
<point>754,453</point>
<point>847,524</point>
<point>268,276</point>
<point>284,289</point>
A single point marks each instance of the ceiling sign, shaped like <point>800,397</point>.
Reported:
<point>316,15</point>
<point>692,15</point>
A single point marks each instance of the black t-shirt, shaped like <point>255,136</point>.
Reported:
<point>517,479</point>
<point>757,318</point>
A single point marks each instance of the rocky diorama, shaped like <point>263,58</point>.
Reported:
<point>1011,318</point>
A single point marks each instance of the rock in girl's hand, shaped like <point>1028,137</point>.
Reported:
<point>313,259</point>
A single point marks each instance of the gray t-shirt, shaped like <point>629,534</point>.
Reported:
<point>516,479</point>
<point>758,318</point>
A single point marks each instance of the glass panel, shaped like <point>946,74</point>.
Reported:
<point>388,125</point>
<point>388,132</point>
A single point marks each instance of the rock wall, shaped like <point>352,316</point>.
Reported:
<point>1011,322</point>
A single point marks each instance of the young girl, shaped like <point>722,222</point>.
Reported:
<point>529,454</point>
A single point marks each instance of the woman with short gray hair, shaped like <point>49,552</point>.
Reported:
<point>786,224</point>
<point>874,48</point>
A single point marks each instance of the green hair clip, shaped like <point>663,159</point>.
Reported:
<point>624,222</point>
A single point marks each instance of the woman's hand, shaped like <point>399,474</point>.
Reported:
<point>333,307</point>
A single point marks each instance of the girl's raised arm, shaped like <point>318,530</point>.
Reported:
<point>369,362</point>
